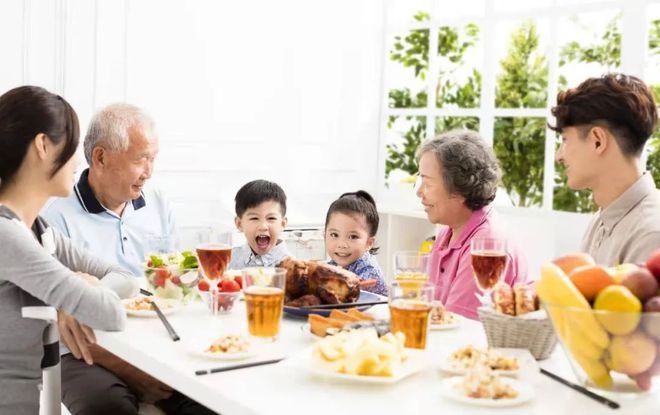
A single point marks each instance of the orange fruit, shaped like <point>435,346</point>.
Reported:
<point>591,279</point>
<point>569,262</point>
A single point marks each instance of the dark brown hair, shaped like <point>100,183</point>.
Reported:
<point>27,111</point>
<point>357,203</point>
<point>256,192</point>
<point>621,103</point>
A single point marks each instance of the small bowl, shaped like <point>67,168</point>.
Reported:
<point>220,302</point>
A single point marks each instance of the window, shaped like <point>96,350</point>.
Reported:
<point>497,67</point>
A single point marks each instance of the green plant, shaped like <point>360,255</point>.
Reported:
<point>519,143</point>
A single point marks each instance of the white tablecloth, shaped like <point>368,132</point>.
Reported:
<point>285,389</point>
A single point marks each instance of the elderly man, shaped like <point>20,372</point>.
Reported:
<point>111,212</point>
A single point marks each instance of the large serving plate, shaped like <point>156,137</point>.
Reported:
<point>365,296</point>
<point>415,363</point>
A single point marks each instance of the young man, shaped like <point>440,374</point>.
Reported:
<point>604,124</point>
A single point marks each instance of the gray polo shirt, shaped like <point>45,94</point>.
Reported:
<point>119,239</point>
<point>628,230</point>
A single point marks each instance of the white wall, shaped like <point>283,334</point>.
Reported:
<point>286,90</point>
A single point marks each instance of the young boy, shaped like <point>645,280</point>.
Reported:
<point>604,124</point>
<point>261,216</point>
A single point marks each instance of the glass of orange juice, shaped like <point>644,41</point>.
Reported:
<point>411,268</point>
<point>264,300</point>
<point>410,307</point>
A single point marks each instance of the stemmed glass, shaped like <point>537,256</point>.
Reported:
<point>213,260</point>
<point>489,261</point>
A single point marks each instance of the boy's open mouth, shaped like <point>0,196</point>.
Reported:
<point>342,255</point>
<point>262,241</point>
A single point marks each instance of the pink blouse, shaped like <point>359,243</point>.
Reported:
<point>451,266</point>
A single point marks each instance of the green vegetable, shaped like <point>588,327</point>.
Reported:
<point>189,262</point>
<point>156,261</point>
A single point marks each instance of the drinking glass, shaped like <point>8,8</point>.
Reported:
<point>409,311</point>
<point>214,257</point>
<point>411,268</point>
<point>489,261</point>
<point>264,300</point>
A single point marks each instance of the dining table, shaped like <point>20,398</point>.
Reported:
<point>288,387</point>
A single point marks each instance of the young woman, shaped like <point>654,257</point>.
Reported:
<point>38,138</point>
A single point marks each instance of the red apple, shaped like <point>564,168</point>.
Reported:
<point>641,283</point>
<point>651,317</point>
<point>653,264</point>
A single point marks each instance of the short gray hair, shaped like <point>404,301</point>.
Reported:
<point>469,166</point>
<point>110,127</point>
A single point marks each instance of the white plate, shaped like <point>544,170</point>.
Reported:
<point>199,346</point>
<point>526,363</point>
<point>525,393</point>
<point>457,322</point>
<point>414,364</point>
<point>167,306</point>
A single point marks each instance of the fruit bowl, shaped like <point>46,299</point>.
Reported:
<point>609,350</point>
<point>220,302</point>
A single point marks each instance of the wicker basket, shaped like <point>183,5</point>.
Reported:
<point>535,335</point>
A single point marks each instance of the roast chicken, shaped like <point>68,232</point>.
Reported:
<point>313,283</point>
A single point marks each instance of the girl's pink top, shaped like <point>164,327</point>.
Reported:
<point>451,266</point>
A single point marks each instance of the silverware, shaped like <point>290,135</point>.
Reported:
<point>234,367</point>
<point>582,390</point>
<point>343,305</point>
<point>170,330</point>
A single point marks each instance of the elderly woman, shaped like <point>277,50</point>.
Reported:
<point>38,266</point>
<point>458,178</point>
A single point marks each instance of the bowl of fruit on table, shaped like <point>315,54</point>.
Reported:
<point>173,275</point>
<point>607,320</point>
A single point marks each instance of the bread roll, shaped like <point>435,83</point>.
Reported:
<point>525,299</point>
<point>503,299</point>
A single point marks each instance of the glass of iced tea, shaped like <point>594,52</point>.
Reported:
<point>264,299</point>
<point>489,260</point>
<point>410,307</point>
<point>214,257</point>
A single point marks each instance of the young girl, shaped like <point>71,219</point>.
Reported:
<point>350,235</point>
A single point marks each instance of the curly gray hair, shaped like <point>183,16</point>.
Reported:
<point>469,167</point>
<point>110,127</point>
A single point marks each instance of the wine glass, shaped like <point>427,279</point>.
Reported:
<point>213,259</point>
<point>489,261</point>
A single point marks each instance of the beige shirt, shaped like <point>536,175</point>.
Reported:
<point>628,230</point>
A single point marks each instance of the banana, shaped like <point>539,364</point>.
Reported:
<point>555,288</point>
<point>595,370</point>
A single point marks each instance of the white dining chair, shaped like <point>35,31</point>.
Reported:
<point>51,384</point>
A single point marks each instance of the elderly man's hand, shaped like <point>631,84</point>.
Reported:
<point>77,337</point>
